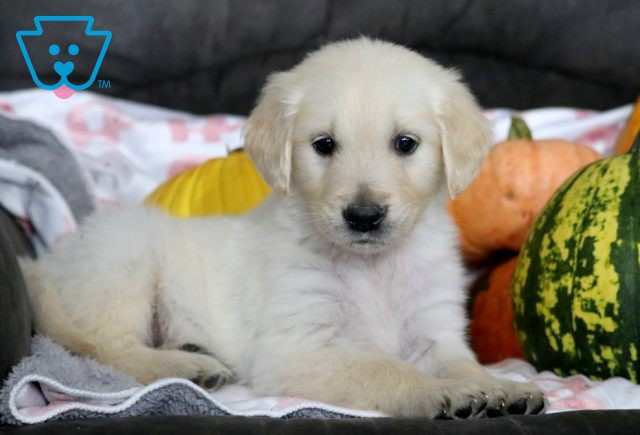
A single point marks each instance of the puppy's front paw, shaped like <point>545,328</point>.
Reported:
<point>453,400</point>
<point>512,398</point>
<point>463,400</point>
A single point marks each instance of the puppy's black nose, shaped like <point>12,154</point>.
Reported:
<point>364,217</point>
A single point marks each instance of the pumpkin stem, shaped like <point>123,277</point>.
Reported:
<point>635,148</point>
<point>519,129</point>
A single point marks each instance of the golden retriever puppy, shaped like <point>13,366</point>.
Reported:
<point>346,286</point>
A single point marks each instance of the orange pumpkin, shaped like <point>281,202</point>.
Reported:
<point>493,335</point>
<point>630,131</point>
<point>514,183</point>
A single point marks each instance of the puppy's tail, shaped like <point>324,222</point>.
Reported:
<point>50,318</point>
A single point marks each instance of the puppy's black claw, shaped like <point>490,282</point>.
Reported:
<point>190,347</point>
<point>537,408</point>
<point>493,412</point>
<point>518,407</point>
<point>481,407</point>
<point>464,412</point>
<point>212,381</point>
<point>442,415</point>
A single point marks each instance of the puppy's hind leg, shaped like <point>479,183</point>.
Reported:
<point>144,343</point>
<point>49,316</point>
<point>127,338</point>
<point>120,340</point>
<point>111,321</point>
<point>128,345</point>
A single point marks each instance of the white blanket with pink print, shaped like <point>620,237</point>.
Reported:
<point>129,148</point>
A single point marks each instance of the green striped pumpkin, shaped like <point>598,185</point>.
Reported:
<point>576,289</point>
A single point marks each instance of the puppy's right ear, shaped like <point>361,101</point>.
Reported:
<point>267,132</point>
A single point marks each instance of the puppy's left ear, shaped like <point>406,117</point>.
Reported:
<point>267,132</point>
<point>466,137</point>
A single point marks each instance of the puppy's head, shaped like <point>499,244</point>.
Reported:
<point>365,134</point>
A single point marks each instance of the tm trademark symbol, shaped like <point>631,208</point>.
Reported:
<point>104,84</point>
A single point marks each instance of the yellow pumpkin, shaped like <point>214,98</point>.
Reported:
<point>230,185</point>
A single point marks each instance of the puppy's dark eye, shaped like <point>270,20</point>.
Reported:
<point>325,146</point>
<point>405,145</point>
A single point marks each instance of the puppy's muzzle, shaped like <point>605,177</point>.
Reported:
<point>364,216</point>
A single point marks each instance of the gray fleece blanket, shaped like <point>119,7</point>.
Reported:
<point>38,148</point>
<point>52,384</point>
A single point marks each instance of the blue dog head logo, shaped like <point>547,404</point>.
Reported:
<point>52,63</point>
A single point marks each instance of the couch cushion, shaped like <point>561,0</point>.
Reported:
<point>15,318</point>
<point>213,56</point>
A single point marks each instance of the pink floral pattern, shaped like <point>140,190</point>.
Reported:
<point>95,121</point>
<point>210,129</point>
<point>6,107</point>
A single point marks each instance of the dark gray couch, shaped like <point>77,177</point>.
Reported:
<point>212,56</point>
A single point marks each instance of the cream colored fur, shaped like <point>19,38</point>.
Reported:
<point>287,298</point>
